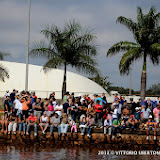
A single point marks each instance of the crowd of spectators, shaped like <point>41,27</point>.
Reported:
<point>24,110</point>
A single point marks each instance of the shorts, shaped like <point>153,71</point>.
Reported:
<point>151,128</point>
<point>157,119</point>
<point>25,112</point>
<point>42,124</point>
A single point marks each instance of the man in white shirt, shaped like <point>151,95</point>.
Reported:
<point>58,109</point>
<point>107,127</point>
<point>6,95</point>
<point>82,99</point>
<point>114,113</point>
<point>17,105</point>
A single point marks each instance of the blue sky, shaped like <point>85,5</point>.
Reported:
<point>100,15</point>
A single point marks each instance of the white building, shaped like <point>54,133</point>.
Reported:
<point>45,83</point>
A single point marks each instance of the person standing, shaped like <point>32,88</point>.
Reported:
<point>58,109</point>
<point>7,107</point>
<point>12,95</point>
<point>156,113</point>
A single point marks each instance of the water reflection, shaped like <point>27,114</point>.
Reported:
<point>60,153</point>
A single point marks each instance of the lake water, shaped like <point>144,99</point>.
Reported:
<point>60,153</point>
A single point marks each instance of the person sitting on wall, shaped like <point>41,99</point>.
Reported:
<point>22,124</point>
<point>4,122</point>
<point>64,124</point>
<point>82,125</point>
<point>12,123</point>
<point>116,126</point>
<point>151,125</point>
<point>44,122</point>
<point>32,121</point>
<point>89,124</point>
<point>131,122</point>
<point>137,116</point>
<point>55,123</point>
<point>107,127</point>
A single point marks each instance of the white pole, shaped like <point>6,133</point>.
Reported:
<point>27,53</point>
<point>130,86</point>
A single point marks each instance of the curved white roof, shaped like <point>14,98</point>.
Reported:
<point>43,84</point>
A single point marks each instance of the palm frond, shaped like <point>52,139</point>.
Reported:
<point>3,73</point>
<point>85,64</point>
<point>157,19</point>
<point>132,26</point>
<point>86,68</point>
<point>52,63</point>
<point>120,47</point>
<point>128,58</point>
<point>41,49</point>
<point>139,16</point>
<point>155,53</point>
<point>72,28</point>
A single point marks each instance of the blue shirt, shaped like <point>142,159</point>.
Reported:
<point>100,100</point>
<point>137,115</point>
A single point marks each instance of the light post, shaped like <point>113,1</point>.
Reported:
<point>27,47</point>
<point>130,86</point>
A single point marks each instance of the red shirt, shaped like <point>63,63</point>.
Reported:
<point>32,119</point>
<point>98,108</point>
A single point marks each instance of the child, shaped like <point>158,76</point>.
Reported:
<point>151,125</point>
<point>72,125</point>
<point>82,124</point>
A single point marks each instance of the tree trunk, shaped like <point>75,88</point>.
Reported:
<point>143,79</point>
<point>64,80</point>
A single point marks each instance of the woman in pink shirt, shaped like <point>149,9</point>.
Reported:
<point>156,112</point>
<point>50,109</point>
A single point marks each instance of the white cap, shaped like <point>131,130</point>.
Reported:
<point>137,108</point>
<point>150,116</point>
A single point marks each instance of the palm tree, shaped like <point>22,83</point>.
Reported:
<point>102,81</point>
<point>3,71</point>
<point>146,32</point>
<point>68,46</point>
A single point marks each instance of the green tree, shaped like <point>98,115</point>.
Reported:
<point>71,45</point>
<point>146,32</point>
<point>3,71</point>
<point>154,89</point>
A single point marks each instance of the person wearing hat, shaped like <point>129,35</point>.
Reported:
<point>131,122</point>
<point>151,125</point>
<point>55,123</point>
<point>32,121</point>
<point>137,116</point>
<point>17,105</point>
<point>116,126</point>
